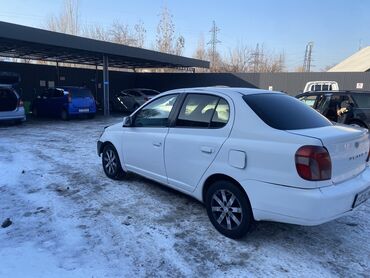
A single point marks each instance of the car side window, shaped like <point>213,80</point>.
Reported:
<point>203,111</point>
<point>309,100</point>
<point>156,113</point>
<point>57,93</point>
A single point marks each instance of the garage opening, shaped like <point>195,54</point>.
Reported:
<point>8,100</point>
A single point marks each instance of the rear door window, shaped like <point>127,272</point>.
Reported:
<point>362,100</point>
<point>203,111</point>
<point>284,112</point>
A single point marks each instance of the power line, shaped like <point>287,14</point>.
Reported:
<point>214,41</point>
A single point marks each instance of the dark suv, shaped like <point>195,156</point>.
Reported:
<point>331,104</point>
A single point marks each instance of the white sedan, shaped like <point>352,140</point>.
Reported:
<point>248,154</point>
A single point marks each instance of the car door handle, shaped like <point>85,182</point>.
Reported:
<point>206,149</point>
<point>157,144</point>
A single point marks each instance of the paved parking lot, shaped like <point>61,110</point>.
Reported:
<point>70,220</point>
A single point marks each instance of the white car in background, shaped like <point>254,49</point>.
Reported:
<point>11,105</point>
<point>319,86</point>
<point>248,154</point>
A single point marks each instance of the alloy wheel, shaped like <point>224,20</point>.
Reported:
<point>226,209</point>
<point>110,162</point>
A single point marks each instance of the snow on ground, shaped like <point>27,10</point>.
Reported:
<point>69,220</point>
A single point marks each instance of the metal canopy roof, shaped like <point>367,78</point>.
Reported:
<point>31,43</point>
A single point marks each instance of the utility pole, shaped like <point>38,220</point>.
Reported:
<point>308,57</point>
<point>214,41</point>
<point>256,58</point>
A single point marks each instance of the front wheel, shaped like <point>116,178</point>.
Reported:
<point>111,163</point>
<point>228,209</point>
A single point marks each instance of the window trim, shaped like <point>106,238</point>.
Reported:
<point>184,96</point>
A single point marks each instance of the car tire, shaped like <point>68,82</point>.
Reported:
<point>64,115</point>
<point>111,163</point>
<point>228,209</point>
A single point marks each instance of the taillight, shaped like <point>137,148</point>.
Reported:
<point>313,163</point>
<point>20,104</point>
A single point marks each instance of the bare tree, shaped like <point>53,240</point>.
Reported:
<point>200,52</point>
<point>165,39</point>
<point>139,34</point>
<point>68,20</point>
<point>180,44</point>
<point>124,34</point>
<point>240,59</point>
<point>96,32</point>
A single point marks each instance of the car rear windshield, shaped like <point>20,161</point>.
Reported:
<point>150,92</point>
<point>284,112</point>
<point>80,92</point>
<point>362,101</point>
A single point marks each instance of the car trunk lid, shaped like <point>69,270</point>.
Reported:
<point>348,148</point>
<point>8,100</point>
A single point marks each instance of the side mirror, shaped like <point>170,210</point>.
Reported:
<point>127,121</point>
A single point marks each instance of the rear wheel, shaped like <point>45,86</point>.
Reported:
<point>64,115</point>
<point>229,209</point>
<point>111,163</point>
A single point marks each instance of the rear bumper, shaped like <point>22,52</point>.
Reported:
<point>18,114</point>
<point>305,206</point>
<point>76,110</point>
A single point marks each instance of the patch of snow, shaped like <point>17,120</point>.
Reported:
<point>70,220</point>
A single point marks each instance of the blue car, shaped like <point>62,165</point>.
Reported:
<point>65,102</point>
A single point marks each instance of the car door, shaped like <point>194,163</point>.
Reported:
<point>43,108</point>
<point>143,142</point>
<point>57,100</point>
<point>201,128</point>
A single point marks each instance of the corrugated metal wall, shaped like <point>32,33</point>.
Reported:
<point>34,75</point>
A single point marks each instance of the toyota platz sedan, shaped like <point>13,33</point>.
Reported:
<point>247,154</point>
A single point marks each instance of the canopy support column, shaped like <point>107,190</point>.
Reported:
<point>106,85</point>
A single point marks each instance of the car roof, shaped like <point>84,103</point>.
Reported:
<point>334,92</point>
<point>139,89</point>
<point>225,90</point>
<point>71,87</point>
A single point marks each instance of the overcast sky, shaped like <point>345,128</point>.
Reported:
<point>337,27</point>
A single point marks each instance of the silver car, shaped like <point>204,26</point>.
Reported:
<point>141,95</point>
<point>11,105</point>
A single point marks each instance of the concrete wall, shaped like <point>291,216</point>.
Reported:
<point>33,76</point>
